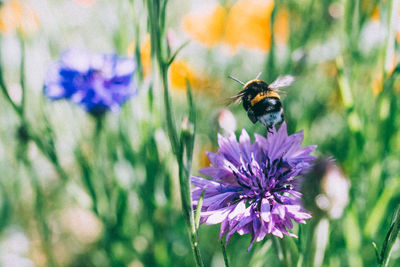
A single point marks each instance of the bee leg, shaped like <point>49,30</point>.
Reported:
<point>269,129</point>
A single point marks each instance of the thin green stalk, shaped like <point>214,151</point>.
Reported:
<point>98,144</point>
<point>3,88</point>
<point>180,147</point>
<point>87,179</point>
<point>278,249</point>
<point>109,216</point>
<point>44,229</point>
<point>389,51</point>
<point>223,247</point>
<point>96,169</point>
<point>285,252</point>
<point>299,243</point>
<point>188,213</point>
<point>22,74</point>
<point>309,252</point>
<point>171,127</point>
<point>47,150</point>
<point>185,163</point>
<point>270,64</point>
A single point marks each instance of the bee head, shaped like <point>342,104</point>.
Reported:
<point>255,87</point>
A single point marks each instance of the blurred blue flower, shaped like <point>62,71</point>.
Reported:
<point>96,82</point>
<point>254,188</point>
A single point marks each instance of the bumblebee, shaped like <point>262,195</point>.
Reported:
<point>262,100</point>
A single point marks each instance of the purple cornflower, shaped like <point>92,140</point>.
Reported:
<point>254,187</point>
<point>96,82</point>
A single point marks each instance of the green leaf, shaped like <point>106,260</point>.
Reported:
<point>379,210</point>
<point>198,209</point>
<point>172,58</point>
<point>121,206</point>
<point>391,237</point>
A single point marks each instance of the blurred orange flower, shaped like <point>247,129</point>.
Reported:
<point>10,16</point>
<point>248,24</point>
<point>202,158</point>
<point>16,16</point>
<point>179,71</point>
<point>398,30</point>
<point>131,49</point>
<point>377,84</point>
<point>391,65</point>
<point>281,27</point>
<point>207,27</point>
<point>145,56</point>
<point>375,14</point>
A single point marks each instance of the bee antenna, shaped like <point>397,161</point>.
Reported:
<point>258,75</point>
<point>236,80</point>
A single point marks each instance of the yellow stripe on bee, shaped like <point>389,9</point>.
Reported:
<point>260,96</point>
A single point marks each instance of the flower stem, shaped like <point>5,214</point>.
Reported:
<point>47,149</point>
<point>184,146</point>
<point>279,251</point>
<point>285,252</point>
<point>4,90</point>
<point>22,74</point>
<point>309,252</point>
<point>223,246</point>
<point>44,229</point>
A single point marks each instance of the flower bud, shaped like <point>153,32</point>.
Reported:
<point>224,121</point>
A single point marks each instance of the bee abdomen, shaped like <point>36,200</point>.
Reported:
<point>268,104</point>
<point>271,119</point>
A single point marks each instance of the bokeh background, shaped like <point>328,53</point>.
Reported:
<point>71,197</point>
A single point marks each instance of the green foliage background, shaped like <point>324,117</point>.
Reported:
<point>121,175</point>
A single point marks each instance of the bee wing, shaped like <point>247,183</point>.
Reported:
<point>235,99</point>
<point>282,81</point>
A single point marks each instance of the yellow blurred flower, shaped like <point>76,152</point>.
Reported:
<point>145,54</point>
<point>10,16</point>
<point>377,84</point>
<point>281,27</point>
<point>131,49</point>
<point>391,65</point>
<point>398,30</point>
<point>248,24</point>
<point>16,15</point>
<point>179,71</point>
<point>202,158</point>
<point>207,27</point>
<point>375,14</point>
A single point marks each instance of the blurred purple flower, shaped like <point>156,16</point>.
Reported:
<point>97,82</point>
<point>254,188</point>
